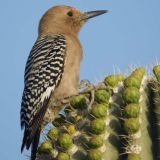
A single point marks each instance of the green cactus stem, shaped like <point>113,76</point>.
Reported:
<point>132,82</point>
<point>46,148</point>
<point>53,134</point>
<point>94,155</point>
<point>102,96</point>
<point>97,126</point>
<point>156,71</point>
<point>131,125</point>
<point>99,110</point>
<point>134,156</point>
<point>79,102</point>
<point>63,156</point>
<point>139,73</point>
<point>136,123</point>
<point>131,111</point>
<point>131,95</point>
<point>71,129</point>
<point>113,80</point>
<point>65,141</point>
<point>155,110</point>
<point>96,142</point>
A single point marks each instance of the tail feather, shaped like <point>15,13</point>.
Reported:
<point>32,132</point>
<point>35,144</point>
<point>24,140</point>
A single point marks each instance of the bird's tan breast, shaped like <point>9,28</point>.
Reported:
<point>70,79</point>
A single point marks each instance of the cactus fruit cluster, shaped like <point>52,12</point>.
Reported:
<point>118,119</point>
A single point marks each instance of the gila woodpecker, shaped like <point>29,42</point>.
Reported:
<point>52,69</point>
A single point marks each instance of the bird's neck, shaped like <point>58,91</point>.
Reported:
<point>54,30</point>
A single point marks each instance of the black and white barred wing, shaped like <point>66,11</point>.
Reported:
<point>43,73</point>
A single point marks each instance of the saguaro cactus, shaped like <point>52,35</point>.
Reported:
<point>119,119</point>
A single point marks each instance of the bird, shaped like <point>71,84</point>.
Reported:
<point>52,69</point>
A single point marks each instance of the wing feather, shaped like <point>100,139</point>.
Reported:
<point>43,72</point>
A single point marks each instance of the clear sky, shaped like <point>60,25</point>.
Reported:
<point>128,35</point>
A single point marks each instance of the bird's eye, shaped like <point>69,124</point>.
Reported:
<point>70,13</point>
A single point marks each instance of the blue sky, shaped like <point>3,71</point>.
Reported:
<point>128,35</point>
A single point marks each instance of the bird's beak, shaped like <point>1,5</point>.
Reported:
<point>91,14</point>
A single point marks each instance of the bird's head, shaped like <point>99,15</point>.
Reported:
<point>62,19</point>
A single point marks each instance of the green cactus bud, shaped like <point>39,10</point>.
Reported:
<point>96,142</point>
<point>53,134</point>
<point>45,148</point>
<point>79,102</point>
<point>65,141</point>
<point>139,72</point>
<point>131,95</point>
<point>94,155</point>
<point>132,82</point>
<point>99,110</point>
<point>63,156</point>
<point>98,126</point>
<point>113,80</point>
<point>71,129</point>
<point>131,111</point>
<point>156,71</point>
<point>131,125</point>
<point>133,156</point>
<point>102,96</point>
